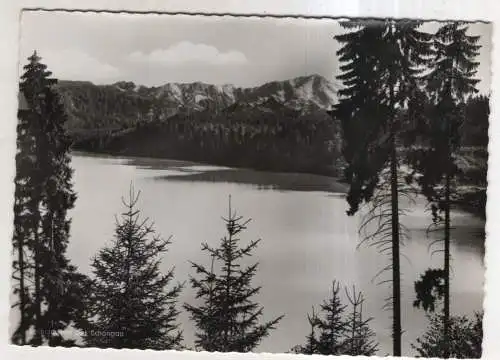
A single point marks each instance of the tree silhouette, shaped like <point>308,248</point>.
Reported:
<point>228,319</point>
<point>44,194</point>
<point>311,345</point>
<point>333,332</point>
<point>332,326</point>
<point>449,83</point>
<point>381,61</point>
<point>463,340</point>
<point>132,302</point>
<point>358,334</point>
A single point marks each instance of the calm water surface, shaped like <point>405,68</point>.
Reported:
<point>307,239</point>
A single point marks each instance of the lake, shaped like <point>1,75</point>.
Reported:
<point>307,239</point>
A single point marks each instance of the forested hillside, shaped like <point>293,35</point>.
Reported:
<point>280,126</point>
<point>283,126</point>
<point>118,105</point>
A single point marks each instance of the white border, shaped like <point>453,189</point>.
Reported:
<point>424,9</point>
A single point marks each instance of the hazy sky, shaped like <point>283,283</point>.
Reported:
<point>156,49</point>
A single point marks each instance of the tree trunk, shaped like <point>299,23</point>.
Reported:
<point>22,298</point>
<point>446,319</point>
<point>37,339</point>
<point>354,340</point>
<point>211,335</point>
<point>50,314</point>
<point>396,287</point>
<point>228,320</point>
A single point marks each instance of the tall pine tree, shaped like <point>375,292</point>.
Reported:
<point>23,219</point>
<point>228,319</point>
<point>132,305</point>
<point>44,194</point>
<point>381,62</point>
<point>449,84</point>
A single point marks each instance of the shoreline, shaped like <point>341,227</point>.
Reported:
<point>228,173</point>
<point>185,162</point>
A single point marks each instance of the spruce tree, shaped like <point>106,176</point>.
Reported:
<point>311,345</point>
<point>132,303</point>
<point>381,63</point>
<point>61,284</point>
<point>227,318</point>
<point>449,83</point>
<point>44,194</point>
<point>358,334</point>
<point>334,331</point>
<point>23,219</point>
<point>332,326</point>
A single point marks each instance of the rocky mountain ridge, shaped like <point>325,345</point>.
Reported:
<point>124,103</point>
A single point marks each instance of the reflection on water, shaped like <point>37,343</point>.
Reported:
<point>307,239</point>
<point>263,180</point>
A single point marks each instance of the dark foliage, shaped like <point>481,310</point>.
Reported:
<point>53,300</point>
<point>382,61</point>
<point>464,340</point>
<point>92,107</point>
<point>429,289</point>
<point>269,136</point>
<point>381,64</point>
<point>475,128</point>
<point>448,84</point>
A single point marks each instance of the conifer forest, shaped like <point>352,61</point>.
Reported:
<point>331,210</point>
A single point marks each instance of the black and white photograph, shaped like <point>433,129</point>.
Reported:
<point>257,184</point>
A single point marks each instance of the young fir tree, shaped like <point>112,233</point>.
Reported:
<point>464,340</point>
<point>132,304</point>
<point>449,83</point>
<point>332,326</point>
<point>311,345</point>
<point>228,319</point>
<point>358,334</point>
<point>338,333</point>
<point>381,64</point>
<point>44,194</point>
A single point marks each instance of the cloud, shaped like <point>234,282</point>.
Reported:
<point>73,64</point>
<point>185,51</point>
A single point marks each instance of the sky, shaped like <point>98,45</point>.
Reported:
<point>155,49</point>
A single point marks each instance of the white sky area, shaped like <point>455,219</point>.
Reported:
<point>153,50</point>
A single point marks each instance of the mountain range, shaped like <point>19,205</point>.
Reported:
<point>122,104</point>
